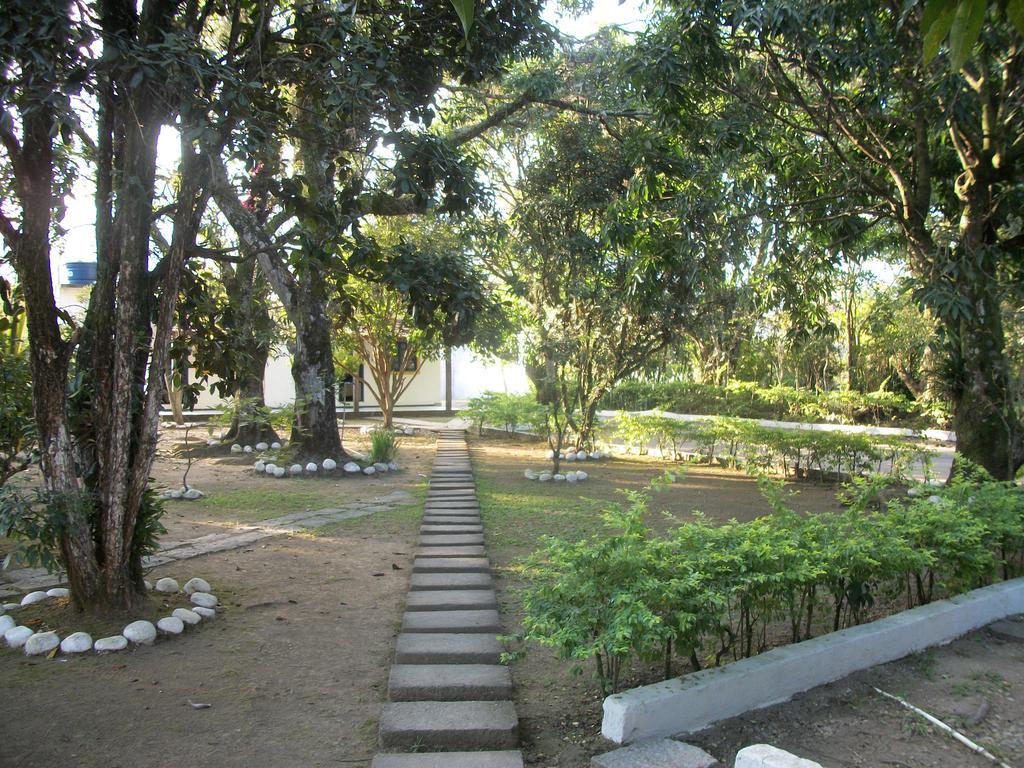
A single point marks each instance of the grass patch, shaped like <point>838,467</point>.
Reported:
<point>248,505</point>
<point>395,521</point>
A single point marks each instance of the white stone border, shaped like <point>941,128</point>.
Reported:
<point>696,701</point>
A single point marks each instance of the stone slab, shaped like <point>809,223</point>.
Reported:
<point>451,520</point>
<point>449,725</point>
<point>466,550</point>
<point>420,582</point>
<point>1010,629</point>
<point>701,698</point>
<point>446,648</point>
<point>452,511</point>
<point>451,539</point>
<point>451,564</point>
<point>492,759</point>
<point>655,753</point>
<point>449,682</point>
<point>767,756</point>
<point>451,599</point>
<point>469,622</point>
<point>436,530</point>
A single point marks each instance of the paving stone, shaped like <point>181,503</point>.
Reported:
<point>503,759</point>
<point>456,507</point>
<point>419,582</point>
<point>450,600</point>
<point>767,756</point>
<point>437,530</point>
<point>449,725</point>
<point>451,564</point>
<point>450,520</point>
<point>466,550</point>
<point>449,682</point>
<point>483,622</point>
<point>447,511</point>
<point>450,539</point>
<point>655,753</point>
<point>446,648</point>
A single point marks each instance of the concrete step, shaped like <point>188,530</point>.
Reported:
<point>450,600</point>
<point>437,530</point>
<point>503,759</point>
<point>468,550</point>
<point>453,507</point>
<point>449,725</point>
<point>447,622</point>
<point>450,539</point>
<point>436,497</point>
<point>449,682</point>
<point>451,565</point>
<point>446,648</point>
<point>432,519</point>
<point>447,511</point>
<point>427,582</point>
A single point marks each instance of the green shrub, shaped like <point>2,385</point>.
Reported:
<point>383,444</point>
<point>501,410</point>
<point>17,428</point>
<point>713,593</point>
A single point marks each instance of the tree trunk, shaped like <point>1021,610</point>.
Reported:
<point>248,426</point>
<point>315,429</point>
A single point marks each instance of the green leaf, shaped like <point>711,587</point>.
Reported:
<point>1015,14</point>
<point>935,24</point>
<point>970,14</point>
<point>465,10</point>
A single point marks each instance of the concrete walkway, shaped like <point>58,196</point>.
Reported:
<point>449,700</point>
<point>17,582</point>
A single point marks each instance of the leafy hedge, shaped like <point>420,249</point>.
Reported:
<point>748,400</point>
<point>796,452</point>
<point>713,593</point>
<point>500,410</point>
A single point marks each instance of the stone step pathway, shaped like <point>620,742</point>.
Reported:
<point>449,700</point>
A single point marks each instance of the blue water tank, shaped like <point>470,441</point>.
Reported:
<point>81,272</point>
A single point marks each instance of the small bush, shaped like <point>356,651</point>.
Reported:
<point>500,410</point>
<point>383,444</point>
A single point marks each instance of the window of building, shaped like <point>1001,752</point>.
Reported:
<point>411,363</point>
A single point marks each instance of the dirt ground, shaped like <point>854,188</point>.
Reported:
<point>294,666</point>
<point>844,724</point>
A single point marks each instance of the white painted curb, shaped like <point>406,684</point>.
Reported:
<point>689,704</point>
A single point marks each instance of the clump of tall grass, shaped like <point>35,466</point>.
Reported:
<point>383,444</point>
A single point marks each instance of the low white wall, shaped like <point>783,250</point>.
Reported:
<point>702,698</point>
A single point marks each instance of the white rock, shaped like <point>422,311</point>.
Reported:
<point>171,625</point>
<point>59,592</point>
<point>34,597</point>
<point>141,632</point>
<point>570,457</point>
<point>370,471</point>
<point>581,456</point>
<point>6,622</point>
<point>167,585</point>
<point>544,477</point>
<point>236,448</point>
<point>597,455</point>
<point>915,491</point>
<point>549,455</point>
<point>247,449</point>
<point>767,756</point>
<point>204,600</point>
<point>196,584</point>
<point>311,467</point>
<point>188,617</point>
<point>212,442</point>
<point>275,446</point>
<point>77,642</point>
<point>295,469</point>
<point>392,466</point>
<point>41,643</point>
<point>279,472</point>
<point>408,431</point>
<point>149,585</point>
<point>529,474</point>
<point>581,476</point>
<point>352,467</point>
<point>570,477</point>
<point>112,643</point>
<point>558,478</point>
<point>207,614</point>
<point>12,606</point>
<point>193,494</point>
<point>17,636</point>
<point>260,466</point>
<point>933,499</point>
<point>269,468</point>
<point>261,446</point>
<point>329,465</point>
<point>380,466</point>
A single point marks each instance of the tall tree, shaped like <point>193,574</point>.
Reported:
<point>856,129</point>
